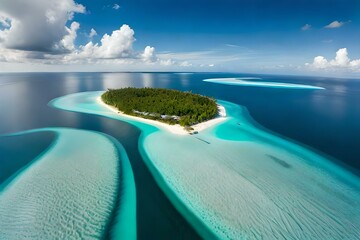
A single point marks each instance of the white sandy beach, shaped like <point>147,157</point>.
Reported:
<point>174,129</point>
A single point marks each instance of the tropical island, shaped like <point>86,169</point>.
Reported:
<point>164,105</point>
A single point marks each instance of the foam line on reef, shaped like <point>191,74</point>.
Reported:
<point>247,183</point>
<point>248,83</point>
<point>81,187</point>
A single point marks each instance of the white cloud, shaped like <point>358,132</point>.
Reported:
<point>118,44</point>
<point>115,46</point>
<point>185,64</point>
<point>320,62</point>
<point>92,33</point>
<point>306,27</point>
<point>84,52</point>
<point>335,24</point>
<point>149,54</point>
<point>113,49</point>
<point>116,6</point>
<point>42,32</point>
<point>3,35</point>
<point>68,41</point>
<point>167,62</point>
<point>36,25</point>
<point>10,55</point>
<point>355,63</point>
<point>341,62</point>
<point>341,58</point>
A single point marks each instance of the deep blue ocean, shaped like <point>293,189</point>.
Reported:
<point>326,121</point>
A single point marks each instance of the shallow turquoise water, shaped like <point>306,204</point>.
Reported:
<point>249,82</point>
<point>244,182</point>
<point>70,191</point>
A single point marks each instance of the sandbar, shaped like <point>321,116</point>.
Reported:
<point>246,81</point>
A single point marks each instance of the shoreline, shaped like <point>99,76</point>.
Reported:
<point>174,129</point>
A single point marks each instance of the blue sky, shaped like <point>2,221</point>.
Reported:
<point>239,36</point>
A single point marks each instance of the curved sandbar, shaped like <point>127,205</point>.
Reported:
<point>71,191</point>
<point>257,83</point>
<point>235,181</point>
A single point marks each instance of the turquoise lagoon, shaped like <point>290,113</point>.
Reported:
<point>80,187</point>
<point>237,181</point>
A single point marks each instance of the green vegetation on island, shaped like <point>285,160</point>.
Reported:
<point>165,105</point>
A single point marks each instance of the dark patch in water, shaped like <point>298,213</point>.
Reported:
<point>279,161</point>
<point>155,215</point>
<point>18,151</point>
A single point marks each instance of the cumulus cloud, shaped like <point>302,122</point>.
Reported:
<point>114,46</point>
<point>116,6</point>
<point>355,63</point>
<point>67,43</point>
<point>92,33</point>
<point>320,62</point>
<point>149,54</point>
<point>118,44</point>
<point>341,58</point>
<point>341,61</point>
<point>43,32</point>
<point>38,25</point>
<point>306,27</point>
<point>335,24</point>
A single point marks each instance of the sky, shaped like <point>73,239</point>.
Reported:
<point>308,37</point>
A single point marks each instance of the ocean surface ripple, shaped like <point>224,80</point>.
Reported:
<point>71,191</point>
